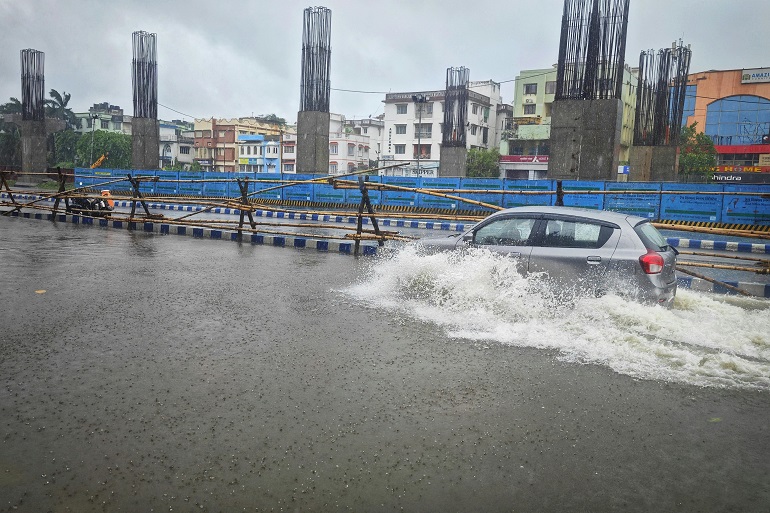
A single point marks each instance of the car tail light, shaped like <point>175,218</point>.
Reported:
<point>652,262</point>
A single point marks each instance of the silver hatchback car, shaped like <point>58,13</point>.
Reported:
<point>579,249</point>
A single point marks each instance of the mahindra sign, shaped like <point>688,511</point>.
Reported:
<point>527,159</point>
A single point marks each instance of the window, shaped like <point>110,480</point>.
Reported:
<point>575,234</point>
<point>351,150</point>
<point>184,150</point>
<point>401,108</point>
<point>474,108</point>
<point>221,133</point>
<point>400,129</point>
<point>288,168</point>
<point>198,133</point>
<point>105,124</point>
<point>738,120</point>
<point>243,150</point>
<point>366,130</point>
<point>116,125</point>
<point>424,130</point>
<point>288,149</point>
<point>550,87</point>
<point>425,109</point>
<point>333,148</point>
<point>400,149</point>
<point>333,168</point>
<point>530,88</point>
<point>530,109</point>
<point>473,129</point>
<point>511,231</point>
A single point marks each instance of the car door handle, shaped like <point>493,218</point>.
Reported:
<point>594,260</point>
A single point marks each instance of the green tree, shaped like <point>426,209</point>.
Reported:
<point>697,155</point>
<point>272,118</point>
<point>10,138</point>
<point>116,146</point>
<point>66,147</point>
<point>483,163</point>
<point>11,107</point>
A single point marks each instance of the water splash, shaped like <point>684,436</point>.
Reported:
<point>476,295</point>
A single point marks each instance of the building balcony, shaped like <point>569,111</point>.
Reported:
<point>422,156</point>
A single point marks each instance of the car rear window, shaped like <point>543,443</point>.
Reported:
<point>650,236</point>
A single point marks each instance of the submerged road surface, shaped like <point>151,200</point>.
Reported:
<point>142,372</point>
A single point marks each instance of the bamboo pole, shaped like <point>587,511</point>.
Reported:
<point>712,280</point>
<point>429,192</point>
<point>752,234</point>
<point>728,267</point>
<point>763,261</point>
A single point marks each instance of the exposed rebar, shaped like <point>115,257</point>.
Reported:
<point>592,49</point>
<point>144,74</point>
<point>316,59</point>
<point>660,95</point>
<point>32,85</point>
<point>455,107</point>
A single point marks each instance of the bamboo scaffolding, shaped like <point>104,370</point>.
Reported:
<point>429,192</point>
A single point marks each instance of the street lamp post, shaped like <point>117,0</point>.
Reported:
<point>94,117</point>
<point>419,100</point>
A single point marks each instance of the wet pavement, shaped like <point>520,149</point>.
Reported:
<point>159,373</point>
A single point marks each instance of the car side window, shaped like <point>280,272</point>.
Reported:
<point>575,234</point>
<point>512,231</point>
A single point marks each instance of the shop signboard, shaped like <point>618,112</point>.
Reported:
<point>755,75</point>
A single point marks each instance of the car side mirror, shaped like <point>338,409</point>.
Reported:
<point>468,238</point>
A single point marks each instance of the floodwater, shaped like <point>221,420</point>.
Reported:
<point>158,373</point>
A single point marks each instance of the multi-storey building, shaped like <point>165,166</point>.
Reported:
<point>176,140</point>
<point>217,143</point>
<point>371,128</point>
<point>289,153</point>
<point>525,156</point>
<point>348,150</point>
<point>259,153</point>
<point>413,125</point>
<point>103,116</point>
<point>733,108</point>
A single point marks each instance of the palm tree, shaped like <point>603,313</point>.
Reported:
<point>57,108</point>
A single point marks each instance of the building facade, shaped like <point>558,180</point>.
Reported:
<point>103,116</point>
<point>732,107</point>
<point>530,131</point>
<point>412,131</point>
<point>348,150</point>
<point>176,144</point>
<point>217,141</point>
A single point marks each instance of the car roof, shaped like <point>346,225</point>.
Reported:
<point>600,215</point>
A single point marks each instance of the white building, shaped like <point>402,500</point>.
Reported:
<point>177,144</point>
<point>103,116</point>
<point>348,151</point>
<point>413,129</point>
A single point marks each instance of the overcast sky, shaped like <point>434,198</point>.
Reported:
<point>230,58</point>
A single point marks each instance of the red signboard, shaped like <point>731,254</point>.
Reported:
<point>535,159</point>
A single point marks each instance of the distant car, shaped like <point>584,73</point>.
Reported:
<point>579,249</point>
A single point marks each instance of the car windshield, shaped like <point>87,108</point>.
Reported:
<point>651,237</point>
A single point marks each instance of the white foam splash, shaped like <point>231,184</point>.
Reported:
<point>705,340</point>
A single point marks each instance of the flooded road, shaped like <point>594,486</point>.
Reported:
<point>160,373</point>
